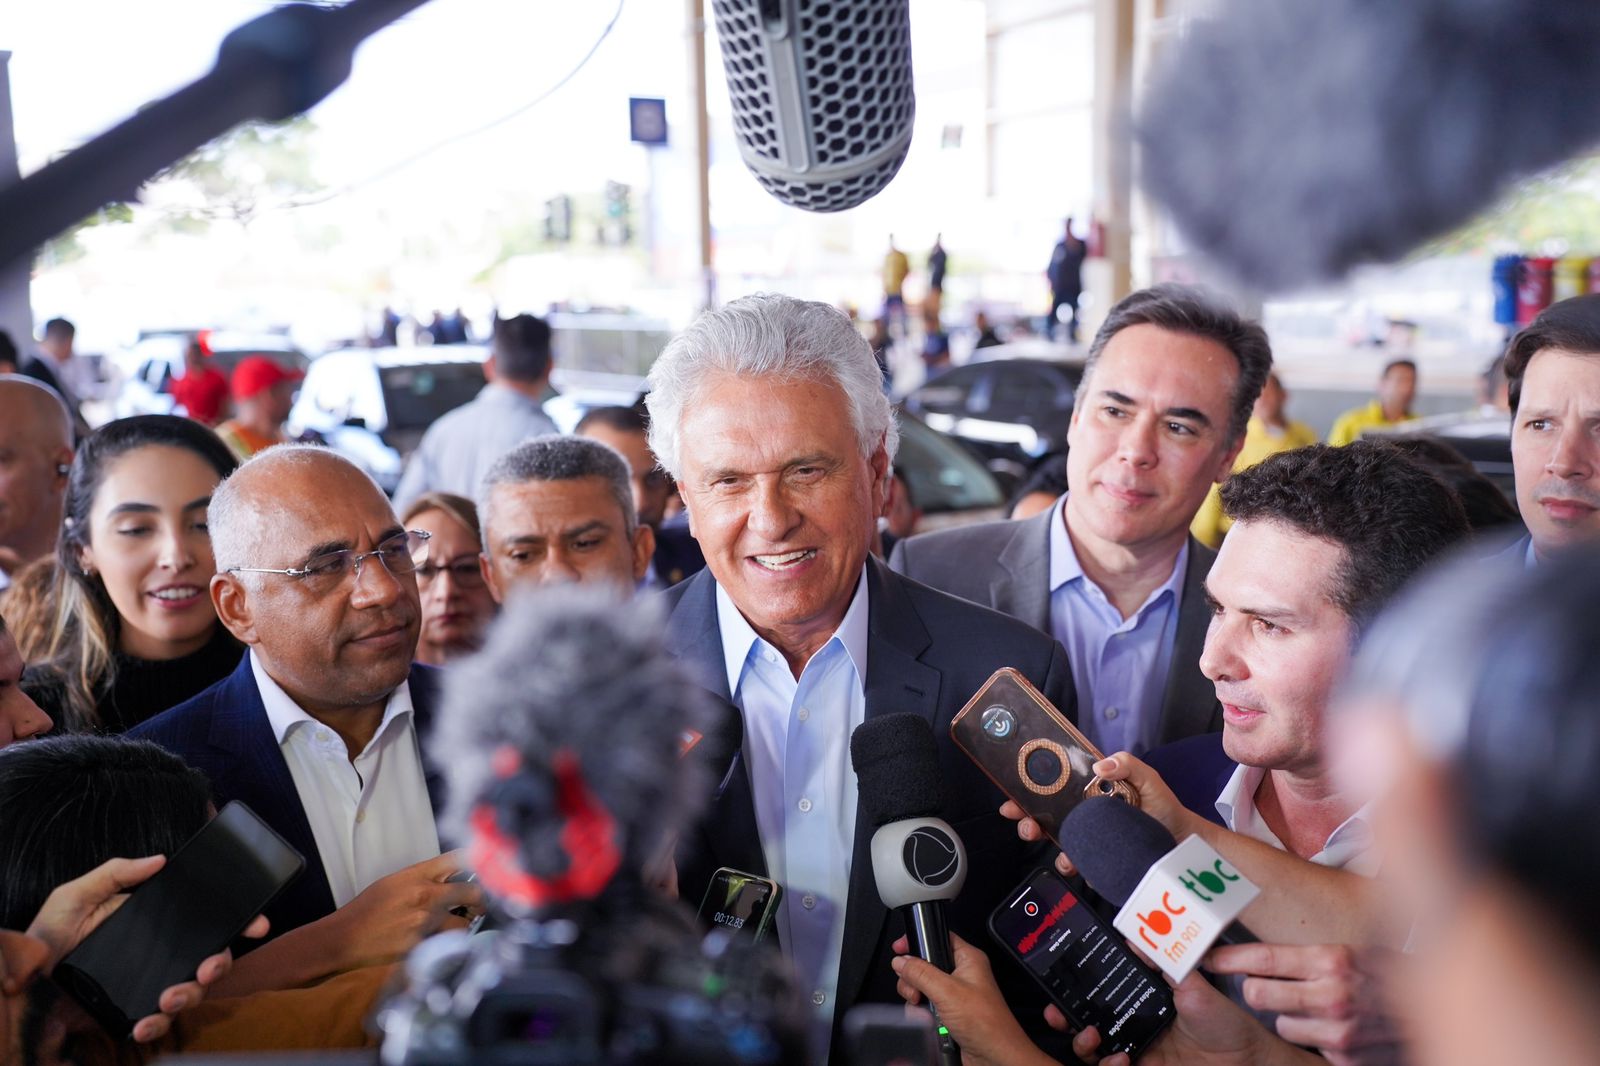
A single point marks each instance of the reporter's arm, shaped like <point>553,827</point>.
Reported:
<point>969,1005</point>
<point>386,920</point>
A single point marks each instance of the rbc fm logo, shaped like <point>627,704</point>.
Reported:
<point>1183,904</point>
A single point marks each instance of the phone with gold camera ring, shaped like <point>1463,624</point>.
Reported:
<point>1030,750</point>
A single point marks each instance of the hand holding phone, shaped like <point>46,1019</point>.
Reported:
<point>740,903</point>
<point>174,924</point>
<point>1030,751</point>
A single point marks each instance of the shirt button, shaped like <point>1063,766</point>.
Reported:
<point>804,805</point>
<point>818,998</point>
<point>361,816</point>
<point>770,655</point>
<point>808,901</point>
<point>805,715</point>
<point>1112,712</point>
<point>322,735</point>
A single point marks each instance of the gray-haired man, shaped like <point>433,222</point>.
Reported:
<point>561,509</point>
<point>770,415</point>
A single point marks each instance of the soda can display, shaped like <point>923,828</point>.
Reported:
<point>1504,279</point>
<point>1535,287</point>
<point>1571,278</point>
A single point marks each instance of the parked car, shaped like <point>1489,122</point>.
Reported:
<point>374,404</point>
<point>146,370</point>
<point>949,482</point>
<point>1010,410</point>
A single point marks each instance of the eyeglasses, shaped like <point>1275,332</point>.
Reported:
<point>465,572</point>
<point>399,555</point>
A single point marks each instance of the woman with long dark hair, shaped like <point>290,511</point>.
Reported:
<point>127,628</point>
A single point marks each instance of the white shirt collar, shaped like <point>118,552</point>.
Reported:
<point>738,638</point>
<point>1064,565</point>
<point>1237,806</point>
<point>284,714</point>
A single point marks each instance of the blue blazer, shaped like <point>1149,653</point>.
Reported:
<point>1196,769</point>
<point>927,652</point>
<point>223,732</point>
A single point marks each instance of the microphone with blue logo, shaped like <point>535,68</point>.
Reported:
<point>917,859</point>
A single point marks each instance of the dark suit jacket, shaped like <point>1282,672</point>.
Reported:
<point>1006,566</point>
<point>1196,769</point>
<point>928,653</point>
<point>223,732</point>
<point>677,554</point>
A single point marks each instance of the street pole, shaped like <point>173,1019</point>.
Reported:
<point>702,147</point>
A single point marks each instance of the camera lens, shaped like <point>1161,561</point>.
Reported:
<point>1044,767</point>
<point>998,722</point>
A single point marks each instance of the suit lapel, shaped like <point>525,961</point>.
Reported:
<point>896,681</point>
<point>262,781</point>
<point>427,693</point>
<point>1189,705</point>
<point>1022,588</point>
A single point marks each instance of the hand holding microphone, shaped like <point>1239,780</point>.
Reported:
<point>917,859</point>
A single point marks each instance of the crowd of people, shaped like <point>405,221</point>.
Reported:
<point>1367,698</point>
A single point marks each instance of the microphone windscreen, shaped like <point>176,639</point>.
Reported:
<point>822,97</point>
<point>897,768</point>
<point>1293,141</point>
<point>1112,844</point>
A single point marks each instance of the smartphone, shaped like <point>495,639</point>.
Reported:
<point>1083,964</point>
<point>741,903</point>
<point>1031,752</point>
<point>193,907</point>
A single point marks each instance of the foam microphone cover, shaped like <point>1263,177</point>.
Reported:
<point>1292,141</point>
<point>897,768</point>
<point>822,96</point>
<point>1112,844</point>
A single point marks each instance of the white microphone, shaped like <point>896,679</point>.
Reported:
<point>1183,905</point>
<point>822,95</point>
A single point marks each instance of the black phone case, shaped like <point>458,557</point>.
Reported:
<point>114,972</point>
<point>1052,993</point>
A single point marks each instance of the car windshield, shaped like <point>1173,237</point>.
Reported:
<point>413,396</point>
<point>944,476</point>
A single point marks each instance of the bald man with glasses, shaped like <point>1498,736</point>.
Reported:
<point>319,729</point>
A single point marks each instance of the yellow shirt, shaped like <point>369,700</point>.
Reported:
<point>895,268</point>
<point>1352,424</point>
<point>1260,441</point>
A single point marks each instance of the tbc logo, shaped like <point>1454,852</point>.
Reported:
<point>931,856</point>
<point>1215,880</point>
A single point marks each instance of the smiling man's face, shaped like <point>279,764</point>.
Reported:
<point>782,502</point>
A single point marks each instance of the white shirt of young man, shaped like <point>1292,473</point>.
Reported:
<point>797,748</point>
<point>1349,847</point>
<point>370,817</point>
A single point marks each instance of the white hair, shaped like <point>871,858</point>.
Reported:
<point>769,335</point>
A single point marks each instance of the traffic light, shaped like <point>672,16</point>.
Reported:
<point>558,219</point>
<point>619,213</point>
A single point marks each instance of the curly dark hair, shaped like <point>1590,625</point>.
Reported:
<point>1390,514</point>
<point>1184,309</point>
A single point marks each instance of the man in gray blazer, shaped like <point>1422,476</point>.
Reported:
<point>770,416</point>
<point>1111,570</point>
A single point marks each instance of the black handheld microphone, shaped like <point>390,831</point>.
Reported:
<point>917,859</point>
<point>822,97</point>
<point>1113,844</point>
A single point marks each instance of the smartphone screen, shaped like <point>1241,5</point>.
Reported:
<point>204,896</point>
<point>1083,964</point>
<point>741,903</point>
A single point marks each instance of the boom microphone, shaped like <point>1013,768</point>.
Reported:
<point>822,96</point>
<point>1294,141</point>
<point>917,859</point>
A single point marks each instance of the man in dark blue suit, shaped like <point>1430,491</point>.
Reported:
<point>319,729</point>
<point>770,416</point>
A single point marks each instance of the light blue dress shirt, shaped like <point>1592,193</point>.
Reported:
<point>1119,666</point>
<point>797,749</point>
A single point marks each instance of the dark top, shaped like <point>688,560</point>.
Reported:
<point>142,688</point>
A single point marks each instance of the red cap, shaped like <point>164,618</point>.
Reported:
<point>256,373</point>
